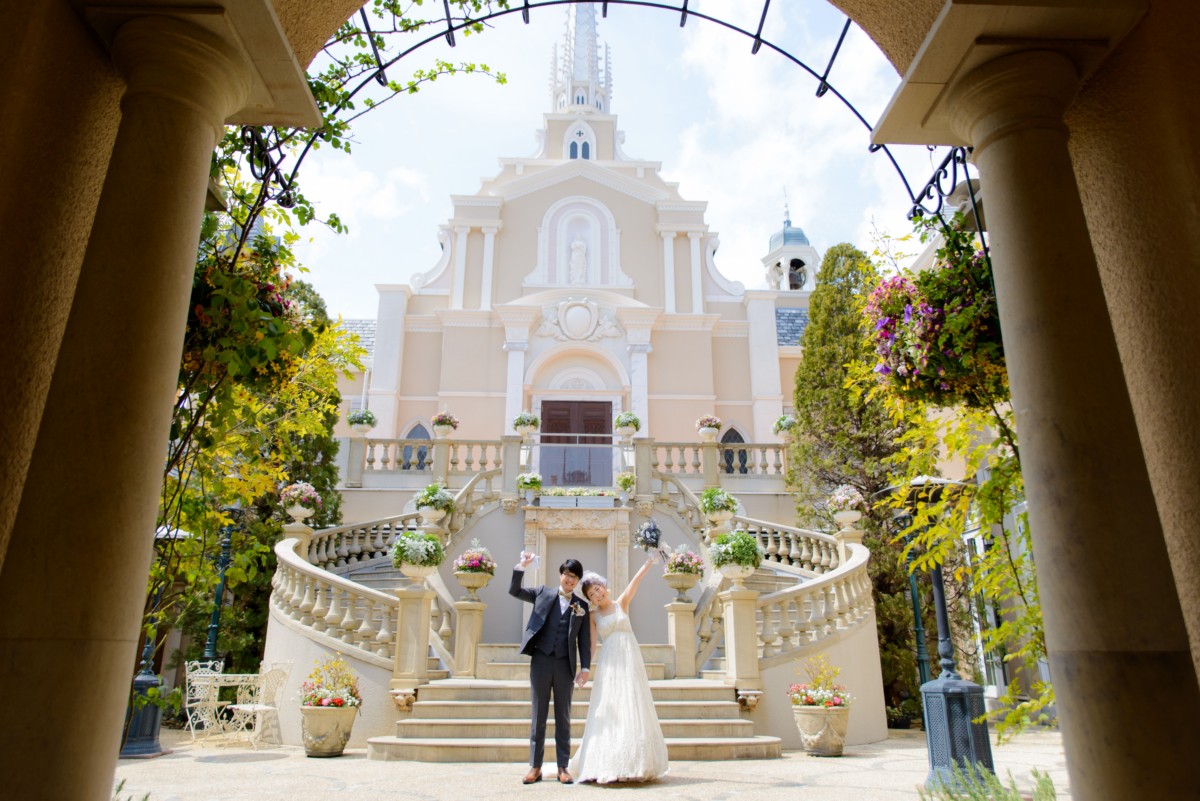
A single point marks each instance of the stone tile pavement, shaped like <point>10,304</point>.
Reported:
<point>885,771</point>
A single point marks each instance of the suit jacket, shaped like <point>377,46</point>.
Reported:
<point>545,603</point>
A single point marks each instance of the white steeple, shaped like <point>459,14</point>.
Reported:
<point>578,84</point>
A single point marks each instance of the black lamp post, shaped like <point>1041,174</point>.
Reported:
<point>144,718</point>
<point>902,521</point>
<point>214,623</point>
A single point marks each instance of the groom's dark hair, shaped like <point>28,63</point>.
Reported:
<point>571,566</point>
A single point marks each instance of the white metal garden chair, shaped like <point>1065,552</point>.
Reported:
<point>201,702</point>
<point>257,706</point>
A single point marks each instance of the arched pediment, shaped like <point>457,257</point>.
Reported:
<point>579,245</point>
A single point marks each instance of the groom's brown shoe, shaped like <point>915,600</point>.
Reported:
<point>564,777</point>
<point>534,775</point>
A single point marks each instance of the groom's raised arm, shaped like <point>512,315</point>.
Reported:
<point>514,587</point>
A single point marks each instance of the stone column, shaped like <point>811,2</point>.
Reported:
<point>741,639</point>
<point>489,266</point>
<point>639,383</point>
<point>697,272</point>
<point>668,238</point>
<point>412,636</point>
<point>460,266</point>
<point>108,410</point>
<point>681,636</point>
<point>387,363</point>
<point>514,385</point>
<point>1113,623</point>
<point>470,631</point>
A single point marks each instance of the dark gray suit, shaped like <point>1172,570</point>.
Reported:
<point>557,644</point>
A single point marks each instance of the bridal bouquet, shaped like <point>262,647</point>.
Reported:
<point>649,537</point>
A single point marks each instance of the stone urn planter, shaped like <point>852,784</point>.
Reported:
<point>525,431</point>
<point>472,581</point>
<point>737,574</point>
<point>681,583</point>
<point>431,515</point>
<point>299,513</point>
<point>442,431</point>
<point>326,729</point>
<point>719,518</point>
<point>625,432</point>
<point>417,572</point>
<point>822,728</point>
<point>708,433</point>
<point>847,518</point>
<point>362,429</point>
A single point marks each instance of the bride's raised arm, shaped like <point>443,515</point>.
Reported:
<point>631,590</point>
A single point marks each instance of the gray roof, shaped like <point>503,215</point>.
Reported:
<point>789,325</point>
<point>365,330</point>
<point>790,235</point>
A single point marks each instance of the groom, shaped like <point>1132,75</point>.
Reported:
<point>558,627</point>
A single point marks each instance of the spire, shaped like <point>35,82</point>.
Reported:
<point>787,215</point>
<point>578,83</point>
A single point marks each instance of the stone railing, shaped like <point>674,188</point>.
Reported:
<point>800,548</point>
<point>713,459</point>
<point>342,546</point>
<point>462,456</point>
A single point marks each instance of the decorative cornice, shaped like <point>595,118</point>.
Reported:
<point>732,329</point>
<point>466,318</point>
<point>422,324</point>
<point>687,322</point>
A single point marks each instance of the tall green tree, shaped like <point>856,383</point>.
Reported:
<point>843,439</point>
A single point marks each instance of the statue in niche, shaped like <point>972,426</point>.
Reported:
<point>578,261</point>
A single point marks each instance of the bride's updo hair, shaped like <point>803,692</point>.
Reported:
<point>590,580</point>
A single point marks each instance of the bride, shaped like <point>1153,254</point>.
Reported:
<point>622,740</point>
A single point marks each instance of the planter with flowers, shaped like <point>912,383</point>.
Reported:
<point>846,504</point>
<point>329,702</point>
<point>526,423</point>
<point>682,571</point>
<point>418,553</point>
<point>784,426</point>
<point>821,708</point>
<point>736,554</point>
<point>300,500</point>
<point>362,421</point>
<point>434,503</point>
<point>708,427</point>
<point>444,423</point>
<point>530,484</point>
<point>718,506</point>
<point>474,568</point>
<point>626,481</point>
<point>627,424</point>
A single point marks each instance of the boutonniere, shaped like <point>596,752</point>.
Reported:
<point>578,610</point>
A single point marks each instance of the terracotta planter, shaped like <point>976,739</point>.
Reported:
<point>472,582</point>
<point>681,583</point>
<point>822,728</point>
<point>326,729</point>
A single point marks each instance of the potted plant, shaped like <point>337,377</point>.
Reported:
<point>736,554</point>
<point>530,484</point>
<point>783,427</point>
<point>708,426</point>
<point>896,719</point>
<point>434,502</point>
<point>444,423</point>
<point>846,503</point>
<point>362,420</point>
<point>627,424</point>
<point>821,708</point>
<point>329,702</point>
<point>418,553</point>
<point>626,481</point>
<point>474,568</point>
<point>717,505</point>
<point>682,571</point>
<point>526,423</point>
<point>300,500</point>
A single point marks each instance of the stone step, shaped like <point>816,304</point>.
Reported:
<point>517,728</point>
<point>691,690</point>
<point>505,671</point>
<point>519,710</point>
<point>517,750</point>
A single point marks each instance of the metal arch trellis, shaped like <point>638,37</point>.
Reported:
<point>266,159</point>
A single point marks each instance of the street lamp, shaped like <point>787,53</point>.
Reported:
<point>902,520</point>
<point>233,511</point>
<point>952,704</point>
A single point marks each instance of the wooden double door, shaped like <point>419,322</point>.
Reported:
<point>576,444</point>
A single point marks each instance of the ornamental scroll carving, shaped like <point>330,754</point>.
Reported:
<point>577,320</point>
<point>569,519</point>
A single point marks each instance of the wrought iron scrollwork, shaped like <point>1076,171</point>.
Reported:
<point>945,178</point>
<point>265,167</point>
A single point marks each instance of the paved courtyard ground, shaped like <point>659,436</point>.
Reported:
<point>886,771</point>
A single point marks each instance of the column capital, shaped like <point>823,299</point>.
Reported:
<point>461,229</point>
<point>694,235</point>
<point>667,234</point>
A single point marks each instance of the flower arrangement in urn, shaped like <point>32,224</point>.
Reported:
<point>735,548</point>
<point>784,425</point>
<point>845,499</point>
<point>476,559</point>
<point>329,702</point>
<point>821,708</point>
<point>714,500</point>
<point>445,419</point>
<point>362,417</point>
<point>529,481</point>
<point>708,421</point>
<point>418,548</point>
<point>683,560</point>
<point>300,494</point>
<point>627,420</point>
<point>435,496</point>
<point>526,420</point>
<point>626,480</point>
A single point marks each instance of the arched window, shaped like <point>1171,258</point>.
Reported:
<point>797,276</point>
<point>575,149</point>
<point>580,99</point>
<point>416,457</point>
<point>734,458</point>
<point>587,149</point>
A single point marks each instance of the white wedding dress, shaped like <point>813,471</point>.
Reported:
<point>622,740</point>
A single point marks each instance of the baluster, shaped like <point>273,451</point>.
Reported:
<point>826,550</point>
<point>793,549</point>
<point>654,461</point>
<point>366,632</point>
<point>306,604</point>
<point>829,624</point>
<point>454,446</point>
<point>320,609</point>
<point>355,545</point>
<point>777,468</point>
<point>280,582</point>
<point>805,558</point>
<point>376,542</point>
<point>329,556</point>
<point>808,619</point>
<point>310,554</point>
<point>333,618</point>
<point>349,621</point>
<point>669,466</point>
<point>370,455</point>
<point>774,537</point>
<point>383,640</point>
<point>696,451</point>
<point>787,623</point>
<point>446,630</point>
<point>766,633</point>
<point>297,595</point>
<point>342,550</point>
<point>470,464</point>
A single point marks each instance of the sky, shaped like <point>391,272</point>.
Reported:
<point>737,130</point>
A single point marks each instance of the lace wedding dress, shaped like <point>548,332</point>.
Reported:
<point>622,740</point>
